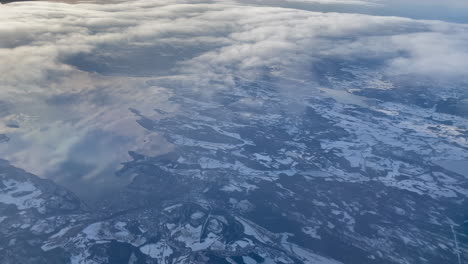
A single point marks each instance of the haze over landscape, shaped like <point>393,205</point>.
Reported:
<point>234,131</point>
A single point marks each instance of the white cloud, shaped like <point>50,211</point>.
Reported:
<point>329,2</point>
<point>203,45</point>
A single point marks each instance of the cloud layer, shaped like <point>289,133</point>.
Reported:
<point>69,73</point>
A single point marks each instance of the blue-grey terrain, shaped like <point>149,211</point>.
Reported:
<point>300,131</point>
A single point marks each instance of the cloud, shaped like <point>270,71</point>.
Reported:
<point>71,72</point>
<point>432,53</point>
<point>327,2</point>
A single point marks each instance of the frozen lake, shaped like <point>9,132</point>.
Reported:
<point>457,166</point>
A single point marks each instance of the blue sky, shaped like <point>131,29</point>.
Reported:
<point>445,10</point>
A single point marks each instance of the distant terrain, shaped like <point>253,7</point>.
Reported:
<point>226,132</point>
